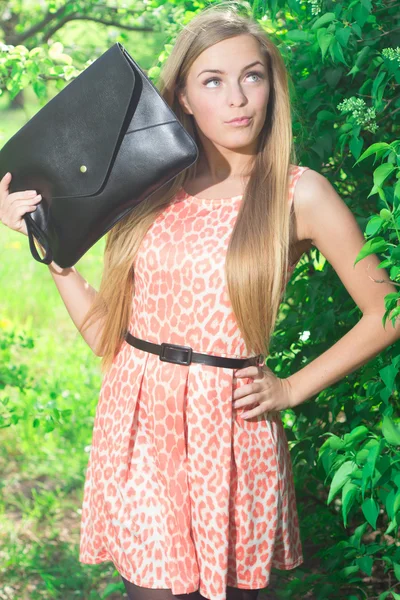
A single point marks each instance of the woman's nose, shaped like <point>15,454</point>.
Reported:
<point>236,96</point>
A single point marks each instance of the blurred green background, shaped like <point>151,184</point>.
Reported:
<point>43,468</point>
<point>344,63</point>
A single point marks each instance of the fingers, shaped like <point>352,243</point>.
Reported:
<point>251,371</point>
<point>14,206</point>
<point>20,195</point>
<point>5,182</point>
<point>26,197</point>
<point>21,209</point>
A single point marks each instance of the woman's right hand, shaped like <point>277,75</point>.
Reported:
<point>14,206</point>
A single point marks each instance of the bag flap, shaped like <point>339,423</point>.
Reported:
<point>67,147</point>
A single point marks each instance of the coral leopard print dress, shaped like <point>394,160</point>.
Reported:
<point>181,492</point>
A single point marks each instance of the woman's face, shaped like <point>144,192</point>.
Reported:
<point>238,90</point>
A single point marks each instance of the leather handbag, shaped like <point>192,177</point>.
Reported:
<point>103,144</point>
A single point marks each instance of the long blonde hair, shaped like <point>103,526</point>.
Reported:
<point>258,251</point>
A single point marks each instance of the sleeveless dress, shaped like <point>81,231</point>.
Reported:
<point>181,492</point>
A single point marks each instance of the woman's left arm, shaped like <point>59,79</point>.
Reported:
<point>323,217</point>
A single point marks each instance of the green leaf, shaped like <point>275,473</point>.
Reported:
<point>299,35</point>
<point>362,56</point>
<point>392,525</point>
<point>382,172</point>
<point>341,476</point>
<point>355,27</point>
<point>324,40</point>
<point>362,456</point>
<point>367,474</point>
<point>378,80</point>
<point>55,50</point>
<point>342,35</point>
<point>338,52</point>
<point>334,442</point>
<point>21,50</point>
<point>396,567</point>
<point>377,244</point>
<point>349,493</point>
<point>373,454</point>
<point>348,571</point>
<point>64,58</point>
<point>373,225</point>
<point>356,144</point>
<point>365,563</point>
<point>356,435</point>
<point>390,432</point>
<point>323,20</point>
<point>383,469</point>
<point>370,509</point>
<point>326,115</point>
<point>396,504</point>
<point>378,148</point>
<point>361,14</point>
<point>397,190</point>
<point>384,264</point>
<point>389,504</point>
<point>385,214</point>
<point>153,72</point>
<point>389,373</point>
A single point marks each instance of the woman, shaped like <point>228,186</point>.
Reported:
<point>189,488</point>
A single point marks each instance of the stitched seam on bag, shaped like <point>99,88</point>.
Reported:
<point>150,127</point>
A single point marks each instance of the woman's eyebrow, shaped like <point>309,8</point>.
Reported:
<point>218,71</point>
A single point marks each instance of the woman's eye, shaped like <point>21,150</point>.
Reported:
<point>259,75</point>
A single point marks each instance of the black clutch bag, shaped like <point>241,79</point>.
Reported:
<point>101,146</point>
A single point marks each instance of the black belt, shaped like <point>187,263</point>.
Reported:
<point>184,355</point>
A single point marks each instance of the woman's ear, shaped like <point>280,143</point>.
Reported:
<point>182,98</point>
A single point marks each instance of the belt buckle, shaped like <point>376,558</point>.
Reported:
<point>164,348</point>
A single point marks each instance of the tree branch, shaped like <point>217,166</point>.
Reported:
<point>116,9</point>
<point>19,38</point>
<point>108,23</point>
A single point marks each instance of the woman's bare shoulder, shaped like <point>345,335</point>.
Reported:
<point>306,191</point>
<point>318,208</point>
<point>301,241</point>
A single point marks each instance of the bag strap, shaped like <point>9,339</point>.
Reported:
<point>35,231</point>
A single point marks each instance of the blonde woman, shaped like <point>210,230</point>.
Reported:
<point>189,487</point>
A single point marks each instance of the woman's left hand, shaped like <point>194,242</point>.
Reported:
<point>270,392</point>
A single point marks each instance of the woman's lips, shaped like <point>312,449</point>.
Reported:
<point>240,123</point>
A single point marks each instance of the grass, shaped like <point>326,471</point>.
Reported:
<point>42,467</point>
<point>44,451</point>
<point>43,457</point>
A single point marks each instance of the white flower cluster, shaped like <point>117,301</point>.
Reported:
<point>392,53</point>
<point>5,48</point>
<point>363,115</point>
<point>315,6</point>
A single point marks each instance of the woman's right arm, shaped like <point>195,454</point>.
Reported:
<point>78,296</point>
<point>76,293</point>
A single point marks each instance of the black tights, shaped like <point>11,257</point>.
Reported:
<point>136,592</point>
